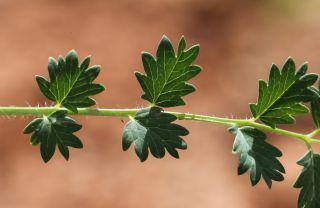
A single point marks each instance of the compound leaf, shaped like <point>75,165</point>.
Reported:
<point>153,129</point>
<point>282,97</point>
<point>70,84</point>
<point>164,82</point>
<point>256,155</point>
<point>54,130</point>
<point>309,181</point>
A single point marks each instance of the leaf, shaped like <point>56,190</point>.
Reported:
<point>54,130</point>
<point>282,97</point>
<point>256,155</point>
<point>164,82</point>
<point>309,181</point>
<point>152,128</point>
<point>315,109</point>
<point>70,84</point>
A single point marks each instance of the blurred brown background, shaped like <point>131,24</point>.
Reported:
<point>239,39</point>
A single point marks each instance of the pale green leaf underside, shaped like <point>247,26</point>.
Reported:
<point>164,82</point>
<point>70,84</point>
<point>54,130</point>
<point>309,181</point>
<point>152,129</point>
<point>256,155</point>
<point>282,98</point>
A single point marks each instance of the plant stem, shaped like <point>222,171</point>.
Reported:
<point>36,111</point>
<point>247,122</point>
<point>314,133</point>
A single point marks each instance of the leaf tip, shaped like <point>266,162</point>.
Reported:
<point>164,40</point>
<point>289,62</point>
<point>72,55</point>
<point>52,60</point>
<point>45,159</point>
<point>72,51</point>
<point>164,37</point>
<point>289,58</point>
<point>138,74</point>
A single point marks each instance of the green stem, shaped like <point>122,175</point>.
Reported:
<point>248,122</point>
<point>35,111</point>
<point>314,133</point>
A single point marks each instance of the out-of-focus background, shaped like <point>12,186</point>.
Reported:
<point>239,41</point>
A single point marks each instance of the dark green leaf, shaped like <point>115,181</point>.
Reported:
<point>56,129</point>
<point>70,84</point>
<point>282,97</point>
<point>152,128</point>
<point>309,181</point>
<point>256,155</point>
<point>315,109</point>
<point>164,82</point>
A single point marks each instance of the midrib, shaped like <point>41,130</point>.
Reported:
<point>70,88</point>
<point>269,106</point>
<point>166,80</point>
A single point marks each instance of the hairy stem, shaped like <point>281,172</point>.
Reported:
<point>36,111</point>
